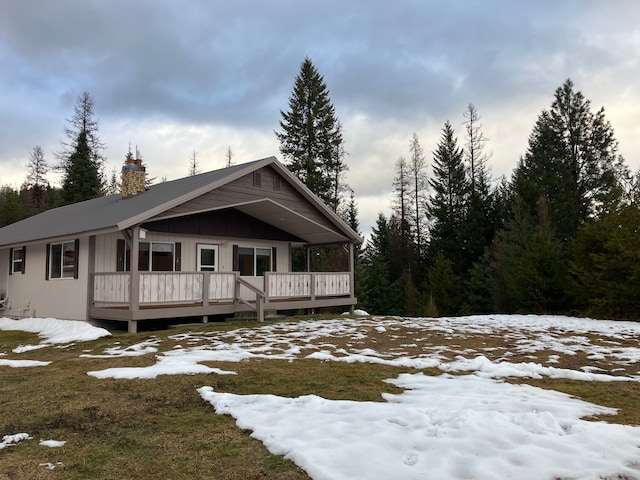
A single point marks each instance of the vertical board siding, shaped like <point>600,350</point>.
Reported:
<point>4,266</point>
<point>244,190</point>
<point>64,298</point>
<point>106,250</point>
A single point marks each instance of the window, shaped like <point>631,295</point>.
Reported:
<point>17,259</point>
<point>152,257</point>
<point>253,261</point>
<point>63,260</point>
<point>257,179</point>
<point>207,258</point>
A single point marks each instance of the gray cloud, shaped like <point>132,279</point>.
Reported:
<point>392,69</point>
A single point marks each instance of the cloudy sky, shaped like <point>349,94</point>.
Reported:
<point>173,77</point>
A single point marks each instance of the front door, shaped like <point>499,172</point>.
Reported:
<point>207,258</point>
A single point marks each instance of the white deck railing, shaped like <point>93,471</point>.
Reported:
<point>295,285</point>
<point>111,288</point>
<point>188,287</point>
<point>172,287</point>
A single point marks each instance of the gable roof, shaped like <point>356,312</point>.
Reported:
<point>113,213</point>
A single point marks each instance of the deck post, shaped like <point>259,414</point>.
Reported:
<point>236,289</point>
<point>260,308</point>
<point>352,285</point>
<point>313,286</point>
<point>91,274</point>
<point>134,277</point>
<point>206,281</point>
<point>132,326</point>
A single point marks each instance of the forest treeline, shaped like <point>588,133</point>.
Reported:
<point>561,235</point>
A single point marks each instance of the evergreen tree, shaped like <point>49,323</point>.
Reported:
<point>349,212</point>
<point>402,210</point>
<point>311,136</point>
<point>82,145</point>
<point>572,161</point>
<point>11,209</point>
<point>410,302</point>
<point>474,151</point>
<point>442,289</point>
<point>506,252</point>
<point>480,223</point>
<point>478,299</point>
<point>447,203</point>
<point>81,180</point>
<point>381,289</point>
<point>36,181</point>
<point>228,156</point>
<point>194,166</point>
<point>114,186</point>
<point>419,182</point>
<point>606,264</point>
<point>540,280</point>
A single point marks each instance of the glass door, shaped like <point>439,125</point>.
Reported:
<point>207,258</point>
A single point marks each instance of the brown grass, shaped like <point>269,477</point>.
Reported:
<point>162,429</point>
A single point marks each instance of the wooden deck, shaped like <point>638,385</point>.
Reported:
<point>161,295</point>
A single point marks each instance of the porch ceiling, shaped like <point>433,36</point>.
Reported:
<point>292,222</point>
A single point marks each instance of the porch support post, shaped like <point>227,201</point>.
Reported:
<point>134,278</point>
<point>91,273</point>
<point>352,284</point>
<point>307,255</point>
<point>206,281</point>
<point>260,307</point>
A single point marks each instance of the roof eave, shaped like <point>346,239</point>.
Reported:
<point>309,195</point>
<point>138,219</point>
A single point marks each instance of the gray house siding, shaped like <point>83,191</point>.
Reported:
<point>259,204</point>
<point>106,248</point>
<point>227,223</point>
<point>4,271</point>
<point>32,294</point>
<point>245,190</point>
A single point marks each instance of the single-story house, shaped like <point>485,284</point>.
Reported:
<point>217,243</point>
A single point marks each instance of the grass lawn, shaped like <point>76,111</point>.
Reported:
<point>162,429</point>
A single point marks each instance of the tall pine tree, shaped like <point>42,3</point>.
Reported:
<point>311,136</point>
<point>381,286</point>
<point>36,181</point>
<point>81,180</point>
<point>402,211</point>
<point>447,202</point>
<point>81,159</point>
<point>572,161</point>
<point>419,183</point>
<point>480,224</point>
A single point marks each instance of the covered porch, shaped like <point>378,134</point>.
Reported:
<point>136,295</point>
<point>158,295</point>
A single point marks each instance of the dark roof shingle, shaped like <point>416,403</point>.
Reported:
<point>112,212</point>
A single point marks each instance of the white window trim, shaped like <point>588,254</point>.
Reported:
<point>13,260</point>
<point>207,246</point>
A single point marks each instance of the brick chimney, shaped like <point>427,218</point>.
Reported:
<point>133,176</point>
